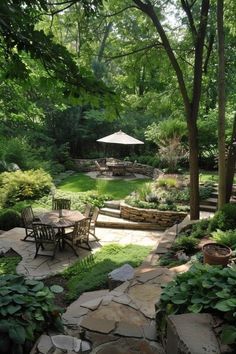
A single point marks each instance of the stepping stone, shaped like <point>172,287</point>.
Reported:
<point>145,277</point>
<point>92,304</point>
<point>67,343</point>
<point>45,344</point>
<point>118,312</point>
<point>129,346</point>
<point>125,329</point>
<point>98,325</point>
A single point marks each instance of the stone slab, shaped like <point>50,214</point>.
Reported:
<point>129,346</point>
<point>191,334</point>
<point>125,329</point>
<point>98,325</point>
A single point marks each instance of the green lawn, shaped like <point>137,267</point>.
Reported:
<point>117,189</point>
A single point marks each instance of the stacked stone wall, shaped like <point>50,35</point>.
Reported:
<point>163,219</point>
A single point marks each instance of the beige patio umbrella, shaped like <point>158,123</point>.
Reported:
<point>120,138</point>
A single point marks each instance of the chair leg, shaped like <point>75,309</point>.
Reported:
<point>94,236</point>
<point>28,234</point>
<point>37,249</point>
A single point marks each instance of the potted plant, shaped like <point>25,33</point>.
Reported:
<point>216,254</point>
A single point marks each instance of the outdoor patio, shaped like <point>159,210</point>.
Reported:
<point>42,266</point>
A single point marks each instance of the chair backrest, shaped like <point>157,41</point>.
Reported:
<point>97,165</point>
<point>27,216</point>
<point>95,214</point>
<point>61,203</point>
<point>44,233</point>
<point>81,230</point>
<point>87,210</point>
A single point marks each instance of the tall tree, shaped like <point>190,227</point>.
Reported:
<point>221,103</point>
<point>191,102</point>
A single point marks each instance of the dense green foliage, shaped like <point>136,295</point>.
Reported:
<point>166,193</point>
<point>224,219</point>
<point>21,185</point>
<point>9,218</point>
<point>227,238</point>
<point>203,288</point>
<point>27,310</point>
<point>91,273</point>
<point>8,264</point>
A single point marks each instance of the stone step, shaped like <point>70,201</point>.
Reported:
<point>119,223</point>
<point>209,201</point>
<point>110,212</point>
<point>112,204</point>
<point>210,208</point>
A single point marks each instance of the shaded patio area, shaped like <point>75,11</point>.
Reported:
<point>42,266</point>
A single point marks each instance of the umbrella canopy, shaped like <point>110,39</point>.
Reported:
<point>120,138</point>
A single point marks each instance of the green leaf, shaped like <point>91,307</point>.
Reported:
<point>19,299</point>
<point>195,308</point>
<point>17,334</point>
<point>224,305</point>
<point>228,335</point>
<point>5,300</point>
<point>38,287</point>
<point>11,309</point>
<point>4,326</point>
<point>57,289</point>
<point>223,294</point>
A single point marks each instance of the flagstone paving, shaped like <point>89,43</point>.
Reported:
<point>42,267</point>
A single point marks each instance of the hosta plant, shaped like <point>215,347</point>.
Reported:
<point>203,288</point>
<point>26,310</point>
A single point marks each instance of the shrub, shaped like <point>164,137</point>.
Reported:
<point>203,288</point>
<point>19,185</point>
<point>78,199</point>
<point>169,182</point>
<point>199,229</point>
<point>227,238</point>
<point>9,219</point>
<point>224,219</point>
<point>185,243</point>
<point>26,310</point>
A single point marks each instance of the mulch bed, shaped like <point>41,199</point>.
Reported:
<point>60,299</point>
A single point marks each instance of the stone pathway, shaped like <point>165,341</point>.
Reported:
<point>120,321</point>
<point>42,267</point>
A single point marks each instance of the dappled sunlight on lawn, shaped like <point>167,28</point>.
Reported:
<point>117,189</point>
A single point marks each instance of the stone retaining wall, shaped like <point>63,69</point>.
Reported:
<point>163,219</point>
<point>86,165</point>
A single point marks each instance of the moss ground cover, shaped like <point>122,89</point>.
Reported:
<point>91,273</point>
<point>116,189</point>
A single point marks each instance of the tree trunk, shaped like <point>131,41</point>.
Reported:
<point>231,161</point>
<point>191,106</point>
<point>221,100</point>
<point>193,168</point>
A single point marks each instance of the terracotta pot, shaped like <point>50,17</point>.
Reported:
<point>216,254</point>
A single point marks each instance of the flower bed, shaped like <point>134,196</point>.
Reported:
<point>163,219</point>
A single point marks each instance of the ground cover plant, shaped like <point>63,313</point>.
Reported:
<point>91,273</point>
<point>166,193</point>
<point>8,264</point>
<point>117,189</point>
<point>26,310</point>
<point>203,288</point>
<point>186,244</point>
